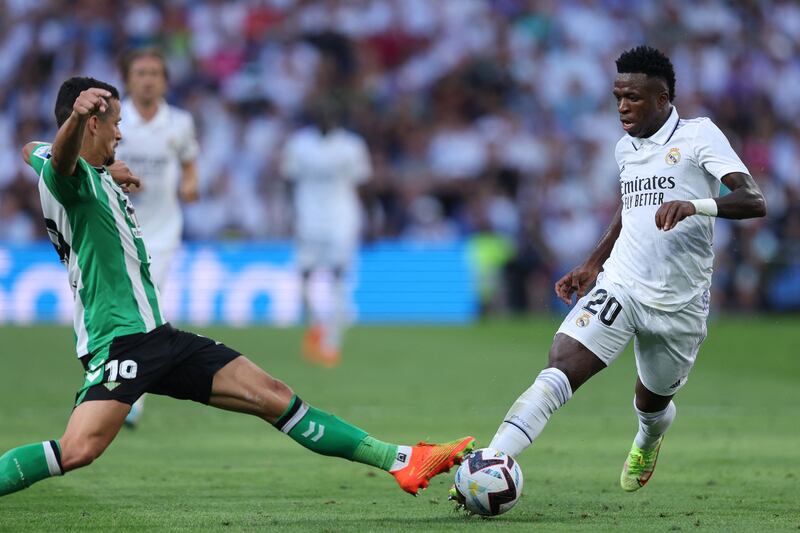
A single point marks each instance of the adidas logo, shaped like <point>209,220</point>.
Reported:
<point>401,457</point>
<point>675,385</point>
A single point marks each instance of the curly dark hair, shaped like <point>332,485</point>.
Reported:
<point>651,61</point>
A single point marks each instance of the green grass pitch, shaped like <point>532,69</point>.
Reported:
<point>731,461</point>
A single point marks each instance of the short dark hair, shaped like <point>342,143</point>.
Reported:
<point>69,92</point>
<point>651,61</point>
<point>128,57</point>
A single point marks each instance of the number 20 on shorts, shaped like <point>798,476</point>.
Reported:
<point>609,311</point>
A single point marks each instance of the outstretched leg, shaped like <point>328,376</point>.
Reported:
<point>591,337</point>
<point>91,428</point>
<point>243,387</point>
<point>570,365</point>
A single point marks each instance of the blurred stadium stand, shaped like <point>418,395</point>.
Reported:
<point>490,122</point>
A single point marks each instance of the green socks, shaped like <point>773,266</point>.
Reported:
<point>316,430</point>
<point>376,453</point>
<point>326,434</point>
<point>22,467</point>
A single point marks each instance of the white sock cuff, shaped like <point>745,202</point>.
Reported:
<point>402,458</point>
<point>652,416</point>
<point>52,454</point>
<point>558,381</point>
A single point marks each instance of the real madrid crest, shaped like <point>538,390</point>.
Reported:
<point>583,320</point>
<point>673,156</point>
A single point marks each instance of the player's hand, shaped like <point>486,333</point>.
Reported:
<point>670,213</point>
<point>123,176</point>
<point>578,280</point>
<point>91,101</point>
<point>188,191</point>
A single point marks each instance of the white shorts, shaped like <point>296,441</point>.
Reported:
<point>329,251</point>
<point>666,343</point>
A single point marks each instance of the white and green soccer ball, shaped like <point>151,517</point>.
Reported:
<point>489,481</point>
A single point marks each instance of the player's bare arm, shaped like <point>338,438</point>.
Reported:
<point>123,176</point>
<point>188,188</point>
<point>745,201</point>
<point>28,149</point>
<point>67,145</point>
<point>580,278</point>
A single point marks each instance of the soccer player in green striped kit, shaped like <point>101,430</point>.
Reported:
<point>125,345</point>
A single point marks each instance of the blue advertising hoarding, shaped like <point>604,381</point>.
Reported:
<point>257,283</point>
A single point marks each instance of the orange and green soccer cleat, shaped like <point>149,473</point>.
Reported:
<point>429,460</point>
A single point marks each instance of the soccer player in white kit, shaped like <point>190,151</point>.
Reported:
<point>652,266</point>
<point>326,164</point>
<point>160,147</point>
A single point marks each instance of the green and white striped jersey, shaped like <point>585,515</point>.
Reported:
<point>93,227</point>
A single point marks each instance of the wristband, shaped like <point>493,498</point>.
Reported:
<point>705,206</point>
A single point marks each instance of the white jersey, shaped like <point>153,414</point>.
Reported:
<point>154,151</point>
<point>684,160</point>
<point>326,170</point>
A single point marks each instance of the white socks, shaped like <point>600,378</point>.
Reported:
<point>336,318</point>
<point>527,417</point>
<point>529,414</point>
<point>652,425</point>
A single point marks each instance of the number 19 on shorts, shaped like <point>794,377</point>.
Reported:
<point>126,369</point>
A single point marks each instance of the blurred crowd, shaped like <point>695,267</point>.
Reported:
<point>491,120</point>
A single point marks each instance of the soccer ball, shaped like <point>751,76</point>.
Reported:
<point>489,482</point>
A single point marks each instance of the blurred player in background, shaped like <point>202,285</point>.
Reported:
<point>326,164</point>
<point>123,342</point>
<point>652,266</point>
<point>160,147</point>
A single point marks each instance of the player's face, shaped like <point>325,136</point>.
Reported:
<point>147,80</point>
<point>107,131</point>
<point>642,103</point>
